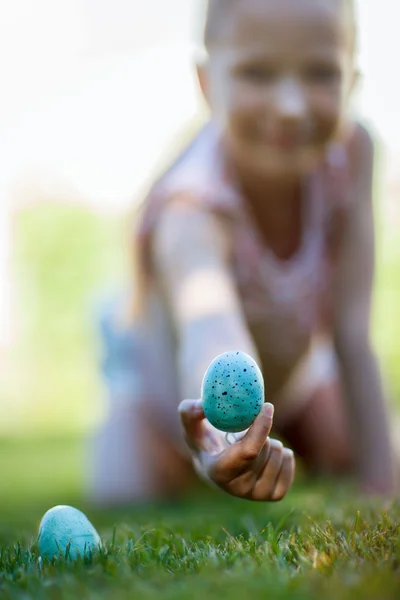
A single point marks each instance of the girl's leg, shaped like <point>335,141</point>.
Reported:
<point>134,455</point>
<point>320,434</point>
<point>130,462</point>
<point>311,414</point>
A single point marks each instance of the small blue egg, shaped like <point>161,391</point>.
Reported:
<point>232,391</point>
<point>63,528</point>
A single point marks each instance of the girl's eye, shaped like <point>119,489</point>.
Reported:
<point>323,74</point>
<point>254,74</point>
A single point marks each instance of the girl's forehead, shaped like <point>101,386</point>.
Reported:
<point>269,23</point>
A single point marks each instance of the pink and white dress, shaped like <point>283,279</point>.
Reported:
<point>289,301</point>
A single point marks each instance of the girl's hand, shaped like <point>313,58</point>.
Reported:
<point>255,467</point>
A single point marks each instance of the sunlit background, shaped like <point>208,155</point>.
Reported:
<point>94,94</point>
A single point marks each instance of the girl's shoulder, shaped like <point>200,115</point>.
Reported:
<point>348,152</point>
<point>195,181</point>
<point>361,138</point>
<point>347,179</point>
<point>198,172</point>
<point>361,148</point>
<point>346,161</point>
<point>195,178</point>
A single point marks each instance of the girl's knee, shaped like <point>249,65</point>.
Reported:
<point>320,434</point>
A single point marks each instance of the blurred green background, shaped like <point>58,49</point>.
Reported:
<point>66,259</point>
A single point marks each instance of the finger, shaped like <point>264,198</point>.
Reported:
<point>192,416</point>
<point>241,459</point>
<point>242,475</point>
<point>254,440</point>
<point>286,475</point>
<point>266,484</point>
<point>191,412</point>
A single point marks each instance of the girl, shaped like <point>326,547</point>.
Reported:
<point>258,238</point>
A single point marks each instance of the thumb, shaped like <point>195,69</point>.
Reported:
<point>255,438</point>
<point>192,417</point>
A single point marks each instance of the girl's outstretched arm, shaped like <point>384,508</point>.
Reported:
<point>191,255</point>
<point>352,305</point>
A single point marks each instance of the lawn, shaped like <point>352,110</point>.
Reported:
<point>321,541</point>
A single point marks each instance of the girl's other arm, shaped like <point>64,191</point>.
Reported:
<point>352,304</point>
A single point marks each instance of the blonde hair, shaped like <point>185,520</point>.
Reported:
<point>216,11</point>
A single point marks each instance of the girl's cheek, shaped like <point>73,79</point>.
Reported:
<point>326,112</point>
<point>244,105</point>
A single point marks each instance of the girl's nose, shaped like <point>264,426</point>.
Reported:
<point>290,100</point>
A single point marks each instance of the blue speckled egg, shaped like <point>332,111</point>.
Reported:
<point>232,391</point>
<point>65,526</point>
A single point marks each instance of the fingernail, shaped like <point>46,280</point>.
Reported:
<point>198,405</point>
<point>192,405</point>
<point>269,410</point>
<point>182,406</point>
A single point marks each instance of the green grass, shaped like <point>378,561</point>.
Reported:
<point>321,541</point>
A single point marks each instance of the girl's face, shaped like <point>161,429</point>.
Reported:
<point>278,80</point>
